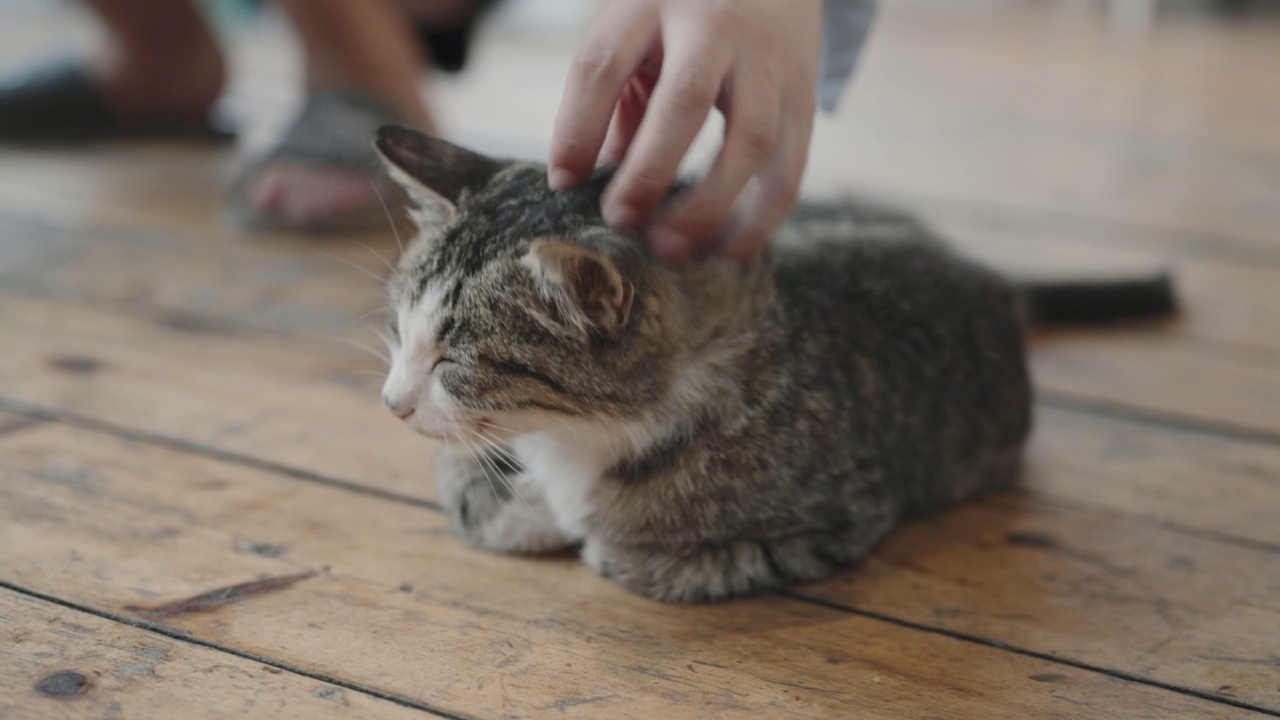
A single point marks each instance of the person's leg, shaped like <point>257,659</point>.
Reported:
<point>363,46</point>
<point>159,60</point>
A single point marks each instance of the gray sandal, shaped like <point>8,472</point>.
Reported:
<point>335,129</point>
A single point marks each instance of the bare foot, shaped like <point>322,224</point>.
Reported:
<point>368,48</point>
<point>300,192</point>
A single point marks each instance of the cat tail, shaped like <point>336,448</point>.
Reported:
<point>1099,301</point>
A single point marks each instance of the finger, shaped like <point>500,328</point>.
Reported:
<point>615,47</point>
<point>687,89</point>
<point>626,118</point>
<point>752,122</point>
<point>779,183</point>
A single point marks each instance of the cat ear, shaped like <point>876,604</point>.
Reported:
<point>591,282</point>
<point>431,168</point>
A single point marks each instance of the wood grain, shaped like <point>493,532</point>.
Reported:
<point>206,450</point>
<point>1181,477</point>
<point>409,610</point>
<point>269,398</point>
<point>59,663</point>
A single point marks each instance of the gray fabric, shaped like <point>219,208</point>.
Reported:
<point>335,128</point>
<point>844,29</point>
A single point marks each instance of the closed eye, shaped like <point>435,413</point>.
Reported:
<point>439,361</point>
<point>394,328</point>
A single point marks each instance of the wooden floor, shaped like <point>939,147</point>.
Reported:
<point>204,511</point>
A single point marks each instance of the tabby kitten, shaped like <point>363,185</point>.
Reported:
<point>703,432</point>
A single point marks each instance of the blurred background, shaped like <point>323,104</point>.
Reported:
<point>1108,117</point>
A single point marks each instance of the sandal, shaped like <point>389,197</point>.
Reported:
<point>334,130</point>
<point>60,103</point>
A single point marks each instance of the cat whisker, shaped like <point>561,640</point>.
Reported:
<point>387,211</point>
<point>384,337</point>
<point>502,477</point>
<point>346,342</point>
<point>362,346</point>
<point>495,426</point>
<point>366,373</point>
<point>389,266</point>
<point>500,448</point>
<point>481,457</point>
<point>503,453</point>
<point>378,278</point>
<point>371,313</point>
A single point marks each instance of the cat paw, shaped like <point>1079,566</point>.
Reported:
<point>520,524</point>
<point>710,573</point>
<point>503,513</point>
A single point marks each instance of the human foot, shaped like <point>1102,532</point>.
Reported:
<point>303,193</point>
<point>363,64</point>
<point>323,174</point>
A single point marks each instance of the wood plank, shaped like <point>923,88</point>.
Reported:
<point>297,403</point>
<point>1044,109</point>
<point>935,113</point>
<point>290,288</point>
<point>1221,300</point>
<point>1226,302</point>
<point>294,404</point>
<point>1179,477</point>
<point>304,288</point>
<point>299,285</point>
<point>449,629</point>
<point>1160,604</point>
<point>1156,373</point>
<point>60,663</point>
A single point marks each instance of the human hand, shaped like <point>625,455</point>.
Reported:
<point>640,90</point>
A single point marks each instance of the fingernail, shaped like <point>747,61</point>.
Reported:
<point>621,216</point>
<point>561,179</point>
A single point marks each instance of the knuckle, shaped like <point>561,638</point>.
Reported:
<point>692,91</point>
<point>643,187</point>
<point>758,139</point>
<point>597,64</point>
<point>650,181</point>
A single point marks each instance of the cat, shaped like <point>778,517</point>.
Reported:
<point>709,431</point>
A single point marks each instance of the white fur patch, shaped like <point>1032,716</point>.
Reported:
<point>410,381</point>
<point>567,464</point>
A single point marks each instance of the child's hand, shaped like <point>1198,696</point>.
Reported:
<point>642,87</point>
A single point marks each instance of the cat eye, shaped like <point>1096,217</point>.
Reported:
<point>439,361</point>
<point>394,327</point>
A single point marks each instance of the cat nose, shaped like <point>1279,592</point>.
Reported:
<point>402,408</point>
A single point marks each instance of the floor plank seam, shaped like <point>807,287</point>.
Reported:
<point>306,476</point>
<point>998,645</point>
<point>1059,400</point>
<point>184,321</point>
<point>182,636</point>
<point>1066,503</point>
<point>195,448</point>
<point>1055,399</point>
<point>1099,231</point>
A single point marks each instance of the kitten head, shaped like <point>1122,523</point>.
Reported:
<point>516,307</point>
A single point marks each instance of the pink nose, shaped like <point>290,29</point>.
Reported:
<point>403,409</point>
